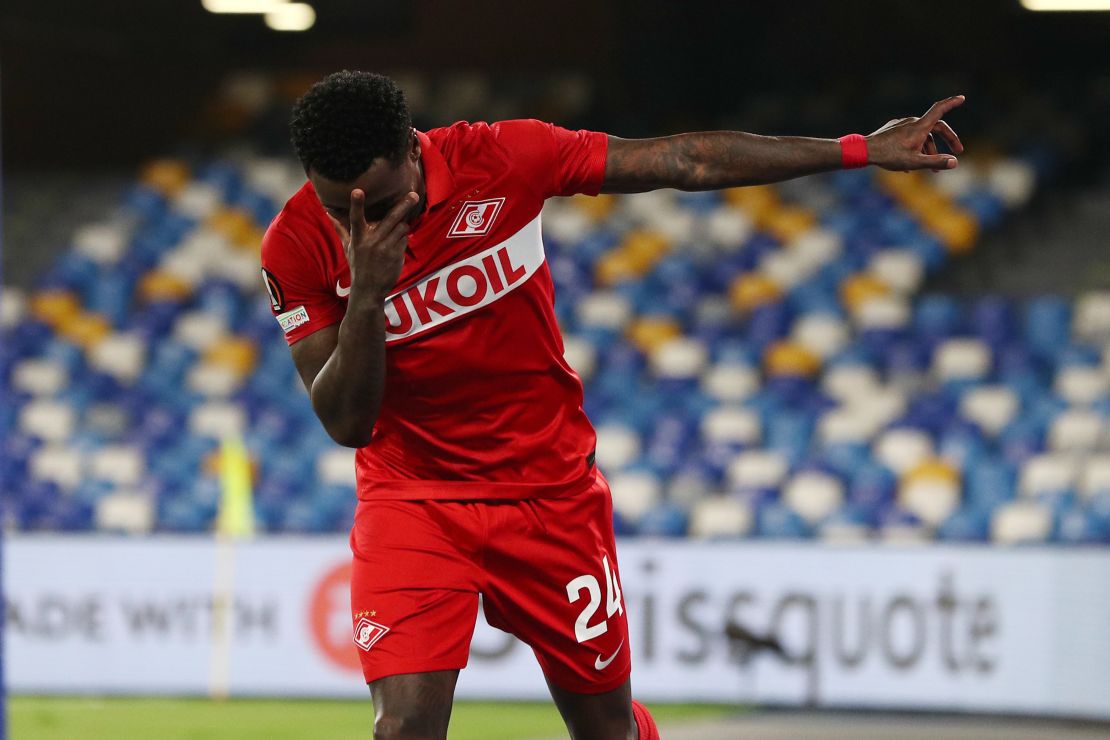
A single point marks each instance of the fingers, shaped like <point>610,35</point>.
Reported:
<point>939,108</point>
<point>953,141</point>
<point>935,162</point>
<point>357,214</point>
<point>398,212</point>
<point>930,145</point>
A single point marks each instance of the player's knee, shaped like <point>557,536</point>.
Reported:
<point>409,725</point>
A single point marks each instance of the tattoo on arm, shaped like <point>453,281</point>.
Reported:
<point>713,159</point>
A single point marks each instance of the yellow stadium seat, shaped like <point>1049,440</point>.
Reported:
<point>596,207</point>
<point>753,199</point>
<point>789,222</point>
<point>957,229</point>
<point>159,285</point>
<point>653,331</point>
<point>235,224</point>
<point>932,469</point>
<point>790,359</point>
<point>615,267</point>
<point>168,176</point>
<point>751,290</point>
<point>235,353</point>
<point>85,329</point>
<point>858,288</point>
<point>55,306</point>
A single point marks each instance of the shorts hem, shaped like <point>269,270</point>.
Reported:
<point>421,666</point>
<point>578,686</point>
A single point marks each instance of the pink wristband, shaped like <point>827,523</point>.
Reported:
<point>853,151</point>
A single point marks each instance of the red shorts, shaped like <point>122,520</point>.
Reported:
<point>546,570</point>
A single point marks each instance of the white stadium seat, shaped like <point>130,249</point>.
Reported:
<point>604,310</point>
<point>961,359</point>
<point>336,466</point>
<point>58,463</point>
<point>728,227</point>
<point>121,355</point>
<point>814,495</point>
<point>635,493</point>
<point>13,306</point>
<point>39,376</point>
<point>1095,476</point>
<point>1082,385</point>
<point>580,354</point>
<point>846,424</point>
<point>731,381</point>
<point>681,357</point>
<point>720,516</point>
<point>213,380</point>
<point>992,407</point>
<point>883,312</point>
<point>817,247</point>
<point>846,382</point>
<point>53,421</point>
<point>1048,473</point>
<point>218,419</point>
<point>1076,430</point>
<point>786,267</point>
<point>1013,181</point>
<point>199,329</point>
<point>757,469</point>
<point>566,225</point>
<point>823,334</point>
<point>617,447</point>
<point>1021,522</point>
<point>932,500</point>
<point>731,425</point>
<point>103,243</point>
<point>1091,321</point>
<point>903,449</point>
<point>122,465</point>
<point>198,200</point>
<point>901,269</point>
<point>125,511</point>
<point>844,533</point>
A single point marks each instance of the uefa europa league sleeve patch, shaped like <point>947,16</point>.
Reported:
<point>273,289</point>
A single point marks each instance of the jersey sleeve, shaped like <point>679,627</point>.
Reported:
<point>301,299</point>
<point>566,162</point>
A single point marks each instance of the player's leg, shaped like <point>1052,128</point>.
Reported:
<point>413,706</point>
<point>552,580</point>
<point>414,601</point>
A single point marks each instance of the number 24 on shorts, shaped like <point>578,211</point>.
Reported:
<point>583,630</point>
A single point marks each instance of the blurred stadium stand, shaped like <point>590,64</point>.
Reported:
<point>850,357</point>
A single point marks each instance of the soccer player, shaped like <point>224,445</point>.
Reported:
<point>408,275</point>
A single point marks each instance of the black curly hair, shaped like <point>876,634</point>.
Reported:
<point>346,121</point>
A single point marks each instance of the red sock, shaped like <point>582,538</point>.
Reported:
<point>644,723</point>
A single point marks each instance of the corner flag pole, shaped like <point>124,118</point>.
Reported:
<point>235,521</point>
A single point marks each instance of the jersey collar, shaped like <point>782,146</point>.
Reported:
<point>438,181</point>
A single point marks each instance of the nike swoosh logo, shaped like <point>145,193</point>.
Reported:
<point>601,665</point>
<point>341,291</point>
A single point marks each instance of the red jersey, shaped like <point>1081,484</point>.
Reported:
<point>479,402</point>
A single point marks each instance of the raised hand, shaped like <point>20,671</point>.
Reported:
<point>375,252</point>
<point>910,143</point>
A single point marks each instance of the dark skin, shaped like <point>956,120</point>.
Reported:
<point>343,366</point>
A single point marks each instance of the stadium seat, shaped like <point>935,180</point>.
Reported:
<point>992,407</point>
<point>902,449</point>
<point>336,467</point>
<point>718,517</point>
<point>1048,474</point>
<point>1021,522</point>
<point>635,493</point>
<point>127,512</point>
<point>813,495</point>
<point>931,491</point>
<point>1076,430</point>
<point>53,421</point>
<point>120,465</point>
<point>757,469</point>
<point>1082,386</point>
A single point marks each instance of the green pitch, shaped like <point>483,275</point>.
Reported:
<point>35,718</point>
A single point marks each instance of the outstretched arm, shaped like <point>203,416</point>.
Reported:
<point>724,159</point>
